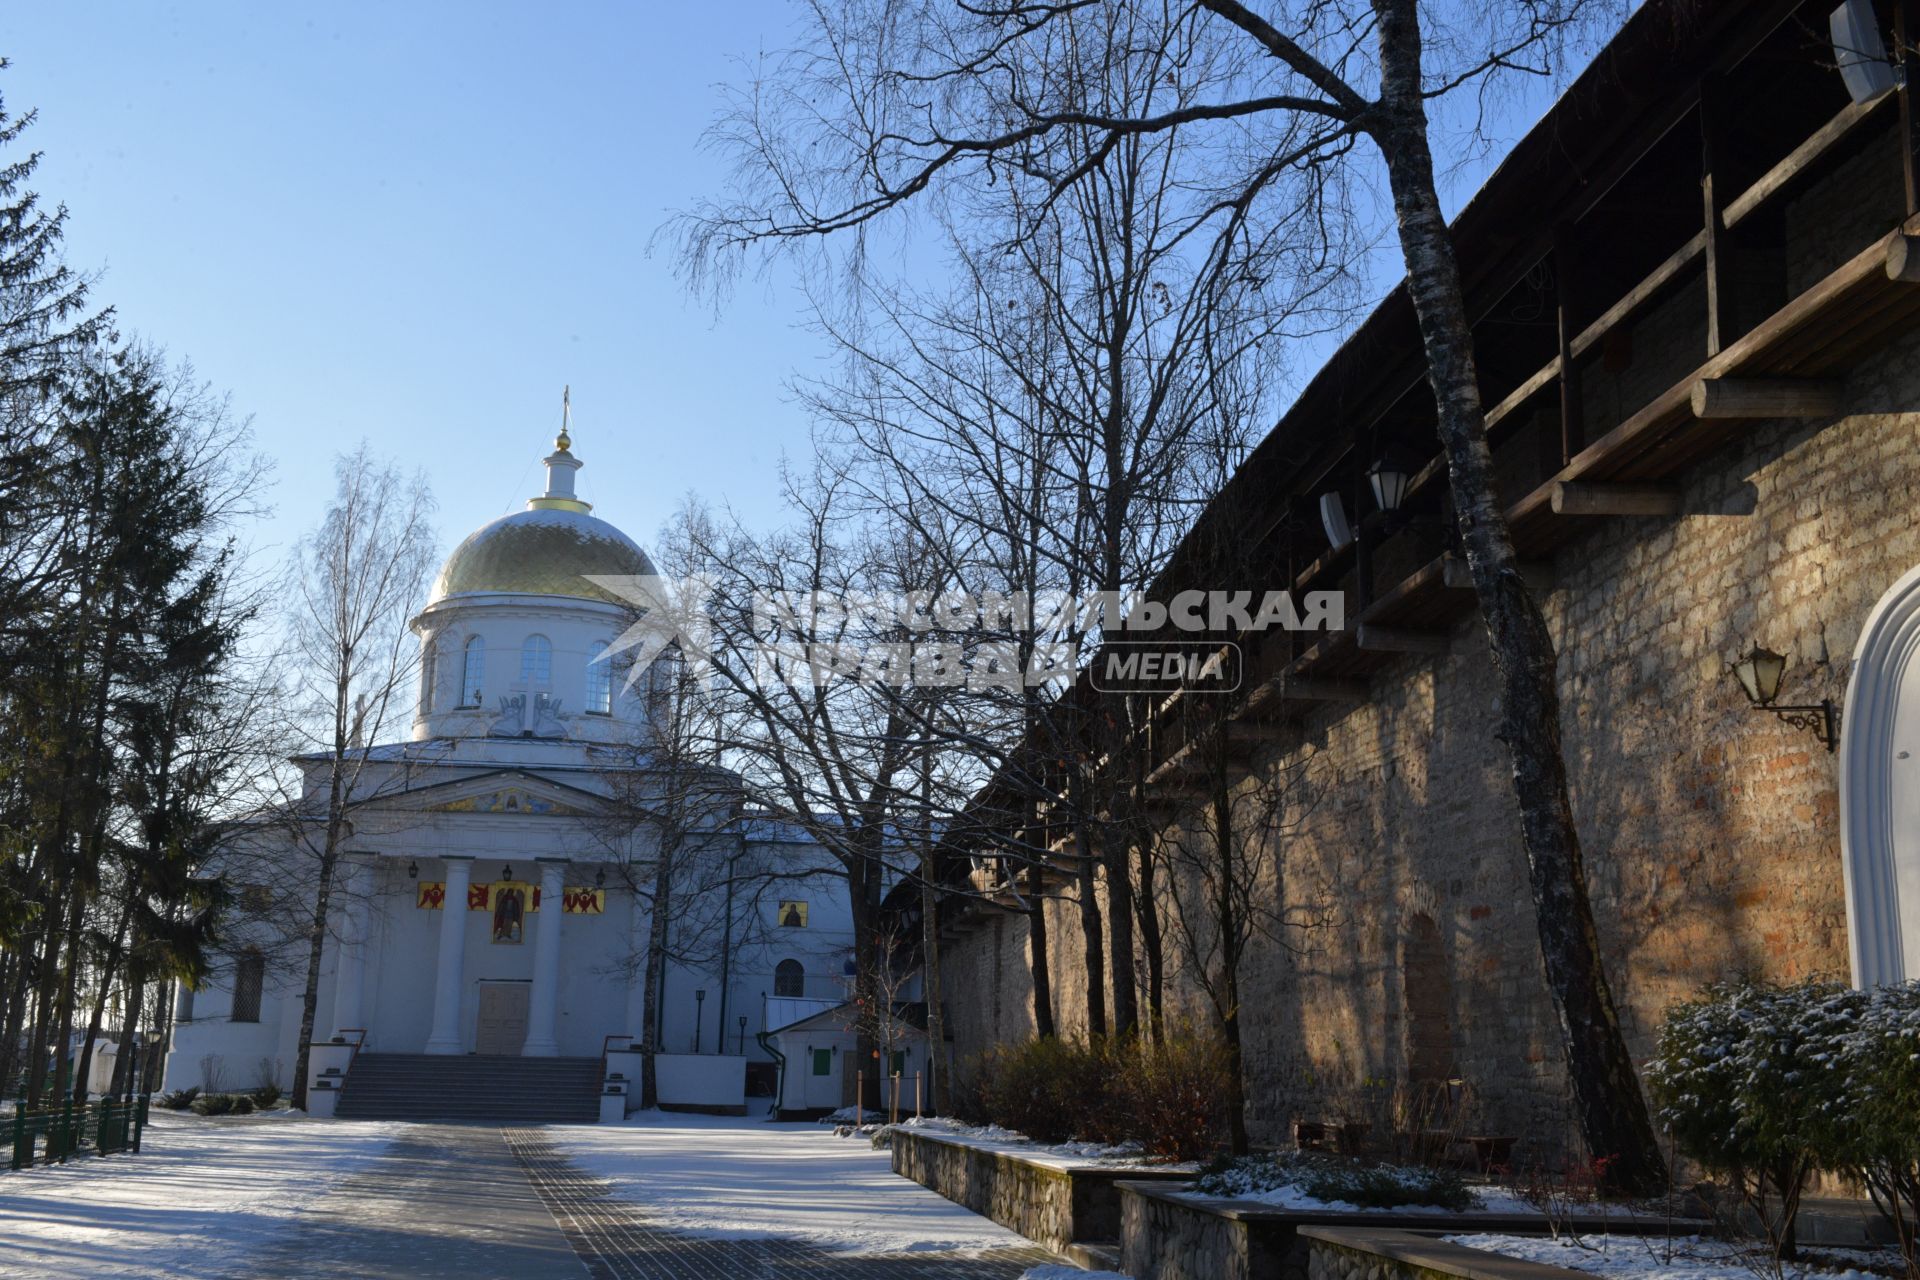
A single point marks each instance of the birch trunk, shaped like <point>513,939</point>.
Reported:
<point>1609,1105</point>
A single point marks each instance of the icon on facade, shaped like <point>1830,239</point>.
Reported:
<point>509,913</point>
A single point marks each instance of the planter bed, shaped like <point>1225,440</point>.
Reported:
<point>1052,1199</point>
<point>1682,1258</point>
<point>1169,1234</point>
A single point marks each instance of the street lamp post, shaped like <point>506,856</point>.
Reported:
<point>699,1000</point>
<point>743,1034</point>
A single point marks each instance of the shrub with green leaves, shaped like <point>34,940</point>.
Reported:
<point>265,1096</point>
<point>179,1099</point>
<point>1875,1130</point>
<point>1747,1079</point>
<point>213,1104</point>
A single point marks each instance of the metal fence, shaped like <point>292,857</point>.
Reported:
<point>95,1128</point>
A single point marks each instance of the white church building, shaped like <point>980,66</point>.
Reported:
<point>495,903</point>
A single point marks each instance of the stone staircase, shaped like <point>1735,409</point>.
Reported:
<point>420,1086</point>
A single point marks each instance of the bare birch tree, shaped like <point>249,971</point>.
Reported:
<point>352,586</point>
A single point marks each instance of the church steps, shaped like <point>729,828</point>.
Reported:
<point>417,1086</point>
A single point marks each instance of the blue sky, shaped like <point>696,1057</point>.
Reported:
<point>414,223</point>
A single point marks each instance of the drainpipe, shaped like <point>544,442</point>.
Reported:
<point>780,1072</point>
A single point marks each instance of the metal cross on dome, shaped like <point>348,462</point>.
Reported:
<point>565,440</point>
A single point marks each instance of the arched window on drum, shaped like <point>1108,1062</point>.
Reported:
<point>473,673</point>
<point>536,660</point>
<point>599,680</point>
<point>789,979</point>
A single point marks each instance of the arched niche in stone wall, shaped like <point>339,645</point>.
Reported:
<point>1880,791</point>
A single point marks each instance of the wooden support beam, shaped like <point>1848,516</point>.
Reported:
<point>1906,29</point>
<point>1257,731</point>
<point>1573,428</point>
<point>1402,640</point>
<point>1766,398</point>
<point>1573,498</point>
<point>1903,259</point>
<point>1320,691</point>
<point>1537,574</point>
<point>1712,144</point>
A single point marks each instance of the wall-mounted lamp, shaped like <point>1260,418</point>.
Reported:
<point>1759,672</point>
<point>600,878</point>
<point>413,871</point>
<point>1389,485</point>
<point>506,871</point>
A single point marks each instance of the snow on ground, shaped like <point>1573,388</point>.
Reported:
<point>1650,1257</point>
<point>740,1176</point>
<point>1079,1155</point>
<point>1289,1196</point>
<point>201,1194</point>
<point>1054,1271</point>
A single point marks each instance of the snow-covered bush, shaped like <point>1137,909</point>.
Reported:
<point>1336,1179</point>
<point>1876,1132</point>
<point>1749,1081</point>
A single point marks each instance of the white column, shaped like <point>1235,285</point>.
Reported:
<point>182,1003</point>
<point>448,984</point>
<point>543,1003</point>
<point>350,965</point>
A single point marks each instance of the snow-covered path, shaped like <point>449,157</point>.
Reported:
<point>203,1195</point>
<point>663,1198</point>
<point>740,1177</point>
<point>752,1213</point>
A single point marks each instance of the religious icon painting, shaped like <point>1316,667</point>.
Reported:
<point>792,914</point>
<point>509,913</point>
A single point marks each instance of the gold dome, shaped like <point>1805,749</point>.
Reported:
<point>544,552</point>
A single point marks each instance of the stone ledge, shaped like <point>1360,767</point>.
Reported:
<point>1430,1254</point>
<point>1166,1234</point>
<point>1051,1200</point>
<point>1624,1224</point>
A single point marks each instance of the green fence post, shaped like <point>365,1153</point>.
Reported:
<point>20,1135</point>
<point>65,1144</point>
<point>139,1120</point>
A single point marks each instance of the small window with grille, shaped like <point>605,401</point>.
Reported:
<point>249,978</point>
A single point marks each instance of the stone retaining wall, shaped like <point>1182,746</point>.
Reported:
<point>1358,1253</point>
<point>1050,1204</point>
<point>1166,1236</point>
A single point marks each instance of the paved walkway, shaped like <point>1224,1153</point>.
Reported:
<point>474,1201</point>
<point>443,1200</point>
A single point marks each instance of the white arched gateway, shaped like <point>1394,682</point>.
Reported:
<point>1880,791</point>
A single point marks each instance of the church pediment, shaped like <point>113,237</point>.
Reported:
<point>509,800</point>
<point>508,793</point>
